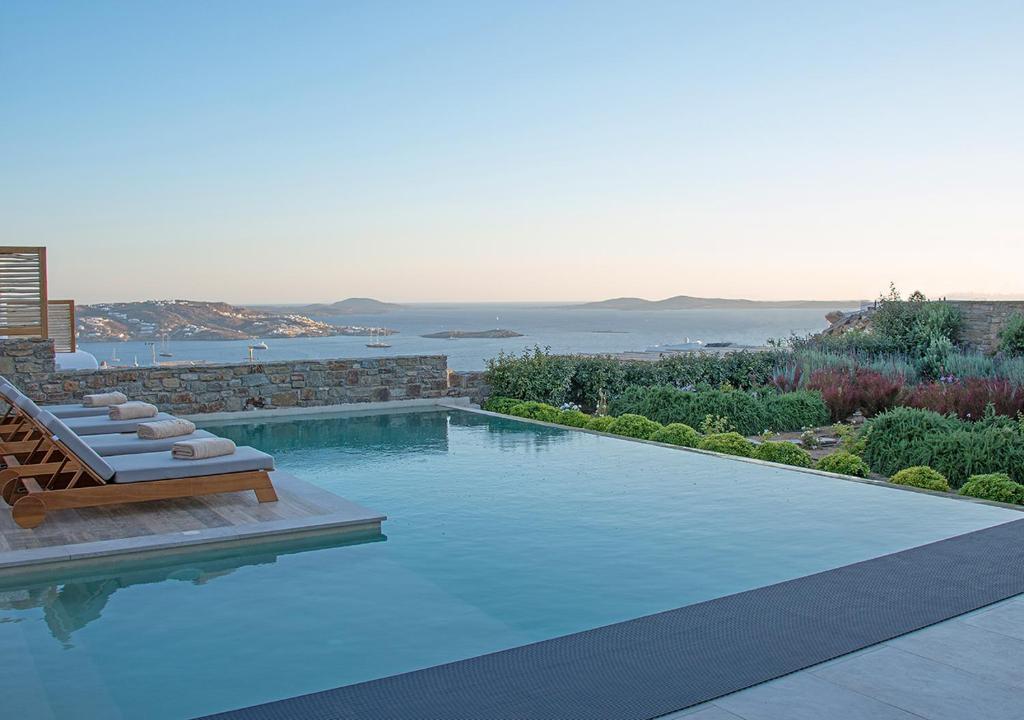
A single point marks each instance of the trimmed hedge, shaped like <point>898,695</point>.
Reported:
<point>749,412</point>
<point>784,453</point>
<point>635,426</point>
<point>907,437</point>
<point>536,411</point>
<point>844,463</point>
<point>922,477</point>
<point>601,423</point>
<point>677,434</point>
<point>730,443</point>
<point>573,418</point>
<point>994,486</point>
<point>539,375</point>
<point>499,404</point>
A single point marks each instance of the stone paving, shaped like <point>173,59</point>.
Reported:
<point>964,668</point>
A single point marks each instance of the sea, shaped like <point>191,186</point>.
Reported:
<point>560,329</point>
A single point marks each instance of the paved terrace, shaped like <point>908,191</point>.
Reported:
<point>967,667</point>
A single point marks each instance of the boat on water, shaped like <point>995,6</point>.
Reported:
<point>259,346</point>
<point>376,340</point>
<point>686,346</point>
<point>165,347</point>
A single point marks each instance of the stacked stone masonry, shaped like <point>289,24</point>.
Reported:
<point>198,389</point>
<point>984,320</point>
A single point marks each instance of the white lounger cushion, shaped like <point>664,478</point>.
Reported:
<point>74,411</point>
<point>105,426</point>
<point>145,467</point>
<point>129,444</point>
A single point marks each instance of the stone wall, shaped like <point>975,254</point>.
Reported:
<point>983,321</point>
<point>197,389</point>
<point>472,384</point>
<point>23,358</point>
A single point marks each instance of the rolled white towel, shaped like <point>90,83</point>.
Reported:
<point>202,448</point>
<point>166,429</point>
<point>104,399</point>
<point>132,411</point>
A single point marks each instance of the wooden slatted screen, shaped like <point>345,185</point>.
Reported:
<point>23,309</point>
<point>61,324</point>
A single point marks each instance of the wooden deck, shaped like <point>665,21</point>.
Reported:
<point>173,525</point>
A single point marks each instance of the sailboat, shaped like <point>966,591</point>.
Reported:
<point>376,341</point>
<point>165,348</point>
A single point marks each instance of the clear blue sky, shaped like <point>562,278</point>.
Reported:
<point>299,151</point>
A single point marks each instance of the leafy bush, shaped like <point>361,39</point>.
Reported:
<point>784,453</point>
<point>968,398</point>
<point>907,437</point>
<point>910,326</point>
<point>845,391</point>
<point>921,476</point>
<point>746,412</point>
<point>635,426</point>
<point>536,411</point>
<point>715,424</point>
<point>729,443</point>
<point>499,404</point>
<point>844,463</point>
<point>573,418</point>
<point>803,408</point>
<point>1011,338</point>
<point>601,423</point>
<point>677,434</point>
<point>994,486</point>
<point>541,376</point>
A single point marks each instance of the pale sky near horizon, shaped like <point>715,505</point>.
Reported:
<point>477,151</point>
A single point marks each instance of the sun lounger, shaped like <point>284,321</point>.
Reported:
<point>104,426</point>
<point>81,479</point>
<point>131,444</point>
<point>33,440</point>
<point>73,410</point>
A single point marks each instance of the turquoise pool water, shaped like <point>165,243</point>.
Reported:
<point>500,533</point>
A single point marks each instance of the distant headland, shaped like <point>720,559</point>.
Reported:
<point>348,306</point>
<point>688,302</point>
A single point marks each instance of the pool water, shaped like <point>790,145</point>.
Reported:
<point>500,533</point>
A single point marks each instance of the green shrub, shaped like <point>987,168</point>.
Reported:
<point>921,476</point>
<point>844,463</point>
<point>994,486</point>
<point>793,410</point>
<point>538,375</point>
<point>729,443</point>
<point>635,426</point>
<point>1011,338</point>
<point>601,423</point>
<point>499,404</point>
<point>784,453</point>
<point>677,434</point>
<point>905,437</point>
<point>573,418</point>
<point>536,411</point>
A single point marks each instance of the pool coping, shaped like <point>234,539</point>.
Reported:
<point>347,518</point>
<point>754,461</point>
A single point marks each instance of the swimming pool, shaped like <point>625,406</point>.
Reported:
<point>500,533</point>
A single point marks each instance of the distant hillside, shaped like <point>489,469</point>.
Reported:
<point>349,306</point>
<point>687,302</point>
<point>197,320</point>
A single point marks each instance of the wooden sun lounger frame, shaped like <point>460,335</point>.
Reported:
<point>57,480</point>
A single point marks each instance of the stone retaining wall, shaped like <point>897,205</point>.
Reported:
<point>230,387</point>
<point>984,320</point>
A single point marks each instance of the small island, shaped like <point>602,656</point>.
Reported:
<point>476,334</point>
